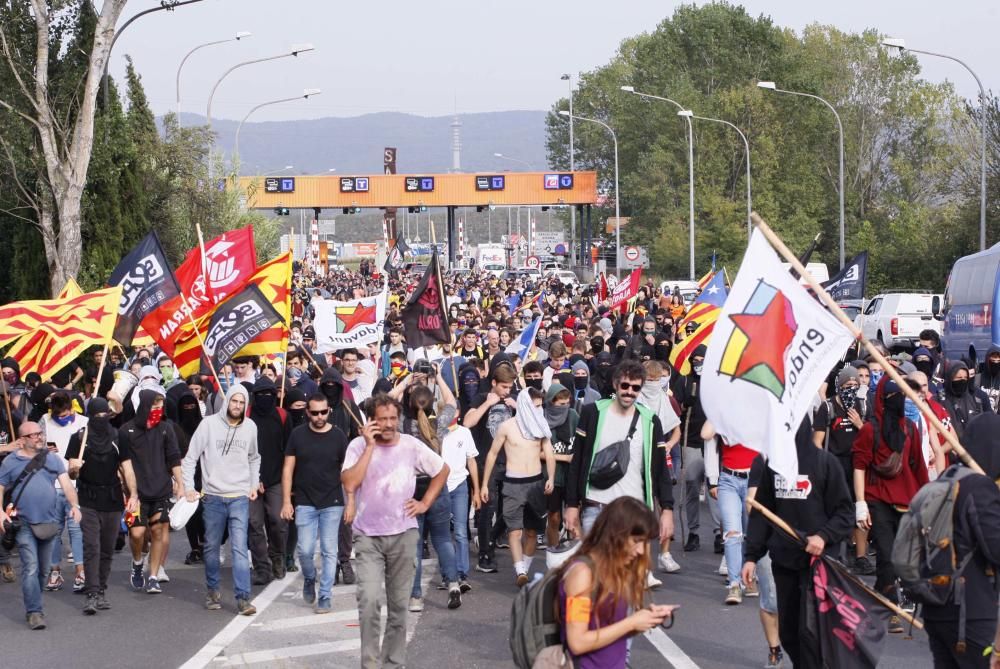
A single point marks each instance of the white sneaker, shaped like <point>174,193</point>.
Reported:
<point>668,564</point>
<point>416,605</point>
<point>723,569</point>
<point>652,583</point>
<point>161,575</point>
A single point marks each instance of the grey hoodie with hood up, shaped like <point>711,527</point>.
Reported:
<point>230,462</point>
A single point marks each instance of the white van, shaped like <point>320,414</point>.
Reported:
<point>897,319</point>
<point>819,271</point>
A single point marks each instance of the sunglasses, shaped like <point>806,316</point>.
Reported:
<point>321,412</point>
<point>636,387</point>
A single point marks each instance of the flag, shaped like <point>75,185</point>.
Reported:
<point>229,259</point>
<point>54,332</point>
<point>711,298</point>
<point>849,283</point>
<point>274,278</point>
<point>238,321</point>
<point>147,283</point>
<point>394,257</point>
<point>349,324</point>
<point>804,258</point>
<point>847,624</point>
<point>625,291</point>
<point>602,288</point>
<point>425,320</point>
<point>524,343</point>
<point>703,281</point>
<point>20,350</point>
<point>772,347</point>
<point>681,353</point>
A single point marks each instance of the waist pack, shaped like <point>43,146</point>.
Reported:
<point>611,463</point>
<point>45,531</point>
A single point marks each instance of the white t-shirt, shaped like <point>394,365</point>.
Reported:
<point>457,446</point>
<point>60,435</point>
<point>615,428</point>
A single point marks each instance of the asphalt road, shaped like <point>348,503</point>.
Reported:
<point>173,629</point>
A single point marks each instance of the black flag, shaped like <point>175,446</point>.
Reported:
<point>394,258</point>
<point>147,282</point>
<point>425,320</point>
<point>849,283</point>
<point>848,623</point>
<point>238,321</point>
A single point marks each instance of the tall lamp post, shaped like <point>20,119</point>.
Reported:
<point>618,219</point>
<point>746,143</point>
<point>236,144</point>
<point>769,85</point>
<point>240,35</point>
<point>568,78</point>
<point>516,160</point>
<point>900,44</point>
<point>630,89</point>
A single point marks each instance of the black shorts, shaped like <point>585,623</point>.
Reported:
<point>554,502</point>
<point>524,503</point>
<point>149,508</point>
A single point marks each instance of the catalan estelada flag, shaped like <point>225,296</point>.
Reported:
<point>710,300</point>
<point>51,333</point>
<point>681,353</point>
<point>274,280</point>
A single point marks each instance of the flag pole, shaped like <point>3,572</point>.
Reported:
<point>97,387</point>
<point>10,416</point>
<point>312,359</point>
<point>890,370</point>
<point>447,323</point>
<point>779,522</point>
<point>201,342</point>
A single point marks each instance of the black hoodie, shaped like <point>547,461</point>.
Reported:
<point>272,431</point>
<point>818,504</point>
<point>962,406</point>
<point>98,485</point>
<point>688,393</point>
<point>989,379</point>
<point>154,451</point>
<point>342,407</point>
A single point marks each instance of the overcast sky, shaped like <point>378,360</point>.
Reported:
<point>430,58</point>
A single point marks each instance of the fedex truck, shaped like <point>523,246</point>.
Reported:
<point>491,258</point>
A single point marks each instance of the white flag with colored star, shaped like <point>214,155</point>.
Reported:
<point>349,324</point>
<point>772,348</point>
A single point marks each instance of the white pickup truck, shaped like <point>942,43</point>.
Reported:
<point>897,319</point>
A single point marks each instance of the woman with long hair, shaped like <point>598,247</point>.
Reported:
<point>604,581</point>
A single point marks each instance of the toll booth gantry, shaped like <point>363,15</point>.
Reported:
<point>451,191</point>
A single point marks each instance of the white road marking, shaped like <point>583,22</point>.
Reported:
<point>670,650</point>
<point>273,655</point>
<point>306,621</point>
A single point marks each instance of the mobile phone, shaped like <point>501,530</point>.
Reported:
<point>52,446</point>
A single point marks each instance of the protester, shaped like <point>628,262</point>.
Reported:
<point>268,530</point>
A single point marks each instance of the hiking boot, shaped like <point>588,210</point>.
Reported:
<point>153,586</point>
<point>6,573</point>
<point>323,605</point>
<point>194,557</point>
<point>734,595</point>
<point>135,577</point>
<point>752,590</point>
<point>278,568</point>
<point>454,596</point>
<point>261,578</point>
<point>290,566</point>
<point>55,581</point>
<point>244,607</point>
<point>90,606</point>
<point>213,600</point>
<point>464,585</point>
<point>486,565</point>
<point>309,590</point>
<point>347,576</point>
<point>521,580</point>
<point>863,567</point>
<point>36,621</point>
<point>774,658</point>
<point>718,544</point>
<point>102,602</point>
<point>693,543</point>
<point>416,605</point>
<point>895,625</point>
<point>668,564</point>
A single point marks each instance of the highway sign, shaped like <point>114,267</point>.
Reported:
<point>631,253</point>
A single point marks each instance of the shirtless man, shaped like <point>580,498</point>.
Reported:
<point>525,440</point>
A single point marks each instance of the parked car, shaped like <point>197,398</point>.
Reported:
<point>566,277</point>
<point>897,319</point>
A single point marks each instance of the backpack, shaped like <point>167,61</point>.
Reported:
<point>923,553</point>
<point>535,617</point>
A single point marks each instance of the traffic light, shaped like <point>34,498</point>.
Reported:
<point>352,210</point>
<point>281,211</point>
<point>423,209</point>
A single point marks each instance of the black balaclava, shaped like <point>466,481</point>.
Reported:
<point>100,434</point>
<point>297,416</point>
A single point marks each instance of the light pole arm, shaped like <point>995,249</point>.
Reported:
<point>236,143</point>
<point>618,230</point>
<point>746,143</point>
<point>208,111</point>
<point>177,85</point>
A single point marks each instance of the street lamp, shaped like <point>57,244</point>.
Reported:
<point>240,35</point>
<point>516,160</point>
<point>746,143</point>
<point>769,85</point>
<point>618,218</point>
<point>236,144</point>
<point>630,89</point>
<point>900,45</point>
<point>568,78</point>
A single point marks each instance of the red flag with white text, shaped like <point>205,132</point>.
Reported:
<point>626,290</point>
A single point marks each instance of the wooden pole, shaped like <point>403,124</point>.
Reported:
<point>790,257</point>
<point>97,386</point>
<point>10,415</point>
<point>201,342</point>
<point>779,522</point>
<point>312,359</point>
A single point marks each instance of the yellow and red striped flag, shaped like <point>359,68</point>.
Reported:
<point>274,280</point>
<point>20,350</point>
<point>51,333</point>
<point>681,353</point>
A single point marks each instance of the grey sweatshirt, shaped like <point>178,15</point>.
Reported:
<point>230,463</point>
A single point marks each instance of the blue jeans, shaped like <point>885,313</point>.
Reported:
<point>459,501</point>
<point>588,515</point>
<point>35,556</point>
<point>732,507</point>
<point>218,514</point>
<point>765,583</point>
<point>75,533</point>
<point>439,517</point>
<point>310,522</point>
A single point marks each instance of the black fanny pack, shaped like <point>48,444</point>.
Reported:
<point>611,463</point>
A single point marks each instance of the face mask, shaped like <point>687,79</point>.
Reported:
<point>696,368</point>
<point>533,383</point>
<point>911,411</point>
<point>264,403</point>
<point>298,415</point>
<point>651,388</point>
<point>63,421</point>
<point>664,382</point>
<point>167,374</point>
<point>555,416</point>
<point>960,387</point>
<point>895,404</point>
<point>993,367</point>
<point>649,333</point>
<point>876,377</point>
<point>581,382</point>
<point>848,396</point>
<point>925,366</point>
<point>155,416</point>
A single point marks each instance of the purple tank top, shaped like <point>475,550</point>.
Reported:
<point>611,656</point>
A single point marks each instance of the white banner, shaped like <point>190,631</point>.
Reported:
<point>772,348</point>
<point>349,324</point>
